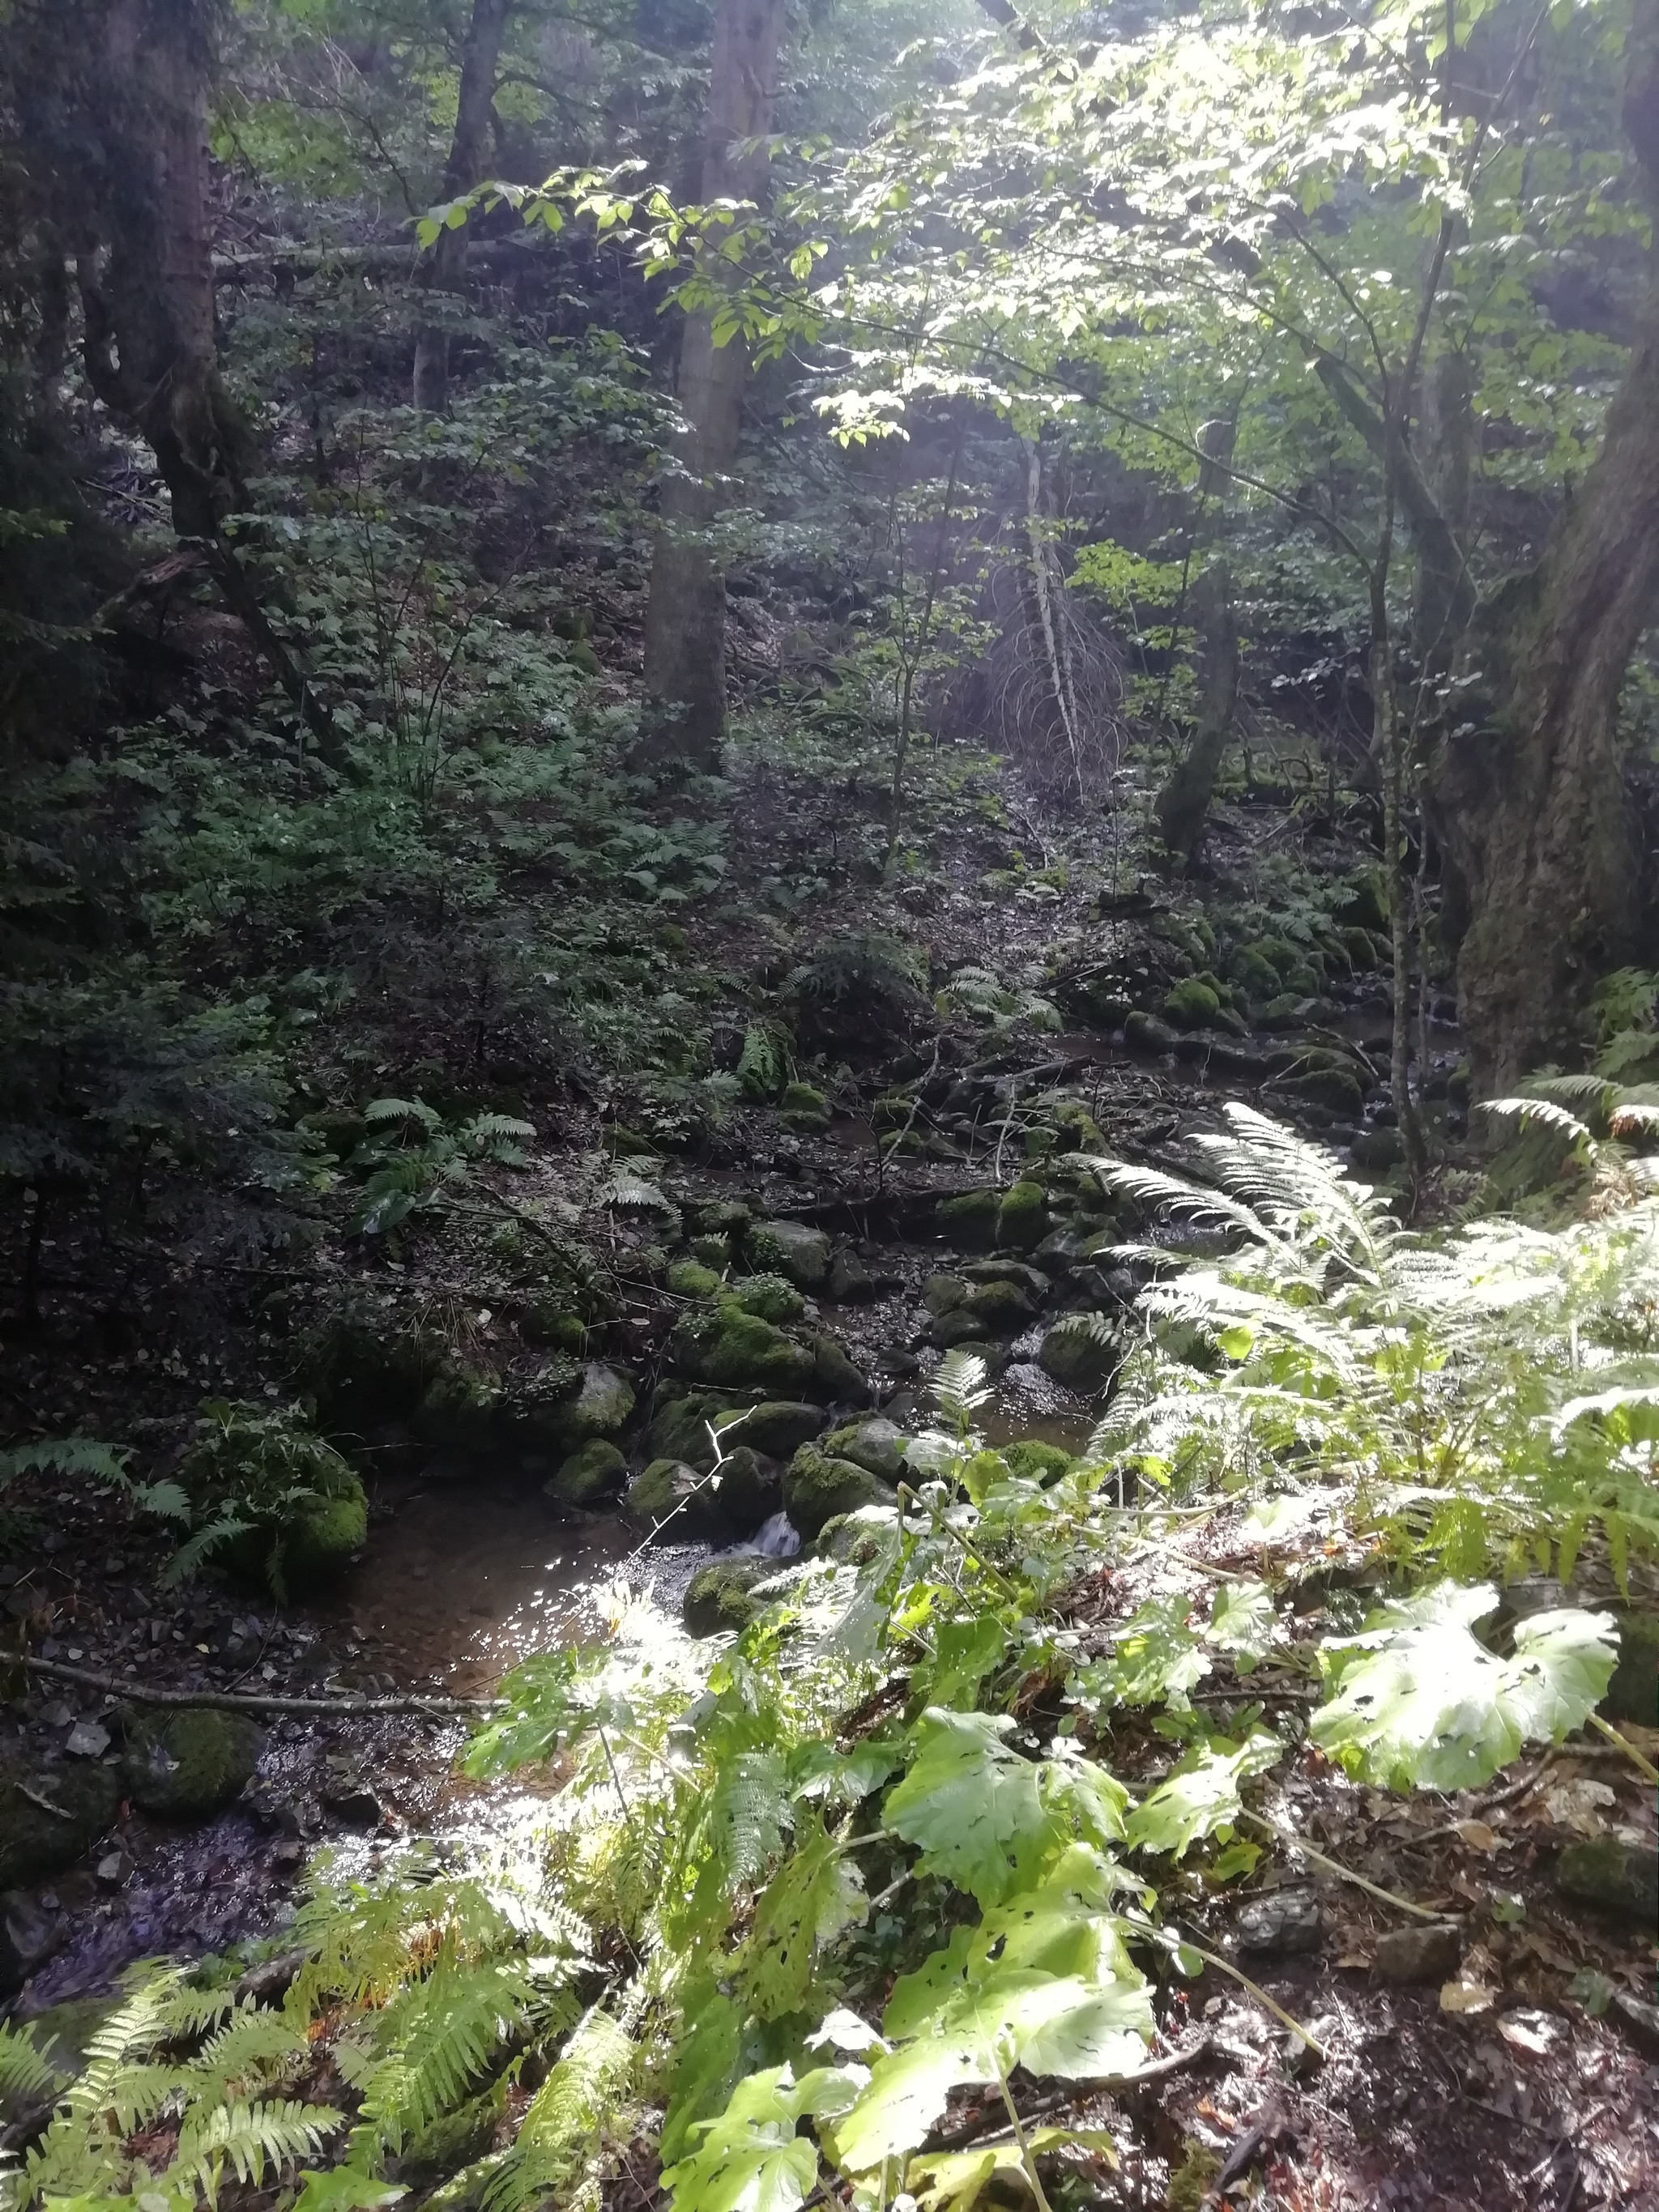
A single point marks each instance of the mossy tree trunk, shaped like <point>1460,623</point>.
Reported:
<point>685,615</point>
<point>1183,805</point>
<point>1531,781</point>
<point>446,274</point>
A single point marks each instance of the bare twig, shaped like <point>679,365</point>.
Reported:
<point>225,1701</point>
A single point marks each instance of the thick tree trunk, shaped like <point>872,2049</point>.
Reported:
<point>1531,781</point>
<point>446,275</point>
<point>686,616</point>
<point>148,302</point>
<point>1183,805</point>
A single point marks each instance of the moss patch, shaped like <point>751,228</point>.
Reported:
<point>184,1766</point>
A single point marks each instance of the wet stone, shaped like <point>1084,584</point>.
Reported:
<point>1423,1952</point>
<point>720,1598</point>
<point>876,1444</point>
<point>184,1766</point>
<point>1616,1876</point>
<point>1284,1920</point>
<point>792,1249</point>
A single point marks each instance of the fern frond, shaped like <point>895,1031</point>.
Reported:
<point>403,1109</point>
<point>25,2072</point>
<point>1545,1112</point>
<point>249,2138</point>
<point>562,2130</point>
<point>960,1386</point>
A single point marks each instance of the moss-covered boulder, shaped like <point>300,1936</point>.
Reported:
<point>1328,1080</point>
<point>594,1470</point>
<point>711,1251</point>
<point>738,1349</point>
<point>778,1427</point>
<point>804,1107</point>
<point>1366,905</point>
<point>51,1815</point>
<point>816,1487</point>
<point>723,1216</point>
<point>874,1443</point>
<point>1146,1033</point>
<point>1022,1217</point>
<point>1037,1461</point>
<point>720,1599</point>
<point>854,1540</point>
<point>547,1319</point>
<point>1191,1004</point>
<point>668,1491</point>
<point>1077,1127</point>
<point>1364,951</point>
<point>184,1766</point>
<point>325,1538</point>
<point>689,1278</point>
<point>603,1404</point>
<point>362,1366</point>
<point>679,1426</point>
<point>302,1506</point>
<point>770,1297</point>
<point>459,1409</point>
<point>944,1294</point>
<point>1253,974</point>
<point>1079,1355</point>
<point>849,1281</point>
<point>970,1220</point>
<point>1000,1308</point>
<point>835,1378</point>
<point>793,1249</point>
<point>1614,1875</point>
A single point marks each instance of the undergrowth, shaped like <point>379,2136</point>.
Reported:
<point>901,1836</point>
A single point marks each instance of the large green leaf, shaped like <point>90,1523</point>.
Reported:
<point>751,2158</point>
<point>1420,1702</point>
<point>974,1808</point>
<point>1200,1798</point>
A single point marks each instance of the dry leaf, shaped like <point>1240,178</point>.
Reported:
<point>1579,1805</point>
<point>1478,1835</point>
<point>1528,2031</point>
<point>1462,1995</point>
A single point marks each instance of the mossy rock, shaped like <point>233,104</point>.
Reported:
<point>793,1249</point>
<point>1259,977</point>
<point>816,1487</point>
<point>596,1469</point>
<point>711,1251</point>
<point>322,1541</point>
<point>970,1220</point>
<point>1077,1129</point>
<point>1148,1034</point>
<point>362,1368</point>
<point>781,1426</point>
<point>1376,1151</point>
<point>689,1278</point>
<point>1192,1004</point>
<point>1364,951</point>
<point>835,1377</point>
<point>35,1842</point>
<point>1616,1876</point>
<point>723,1216</point>
<point>667,1488</point>
<point>805,1109</point>
<point>679,1426</point>
<point>1036,1461</point>
<point>1076,1358</point>
<point>1277,953</point>
<point>720,1599</point>
<point>944,1294</point>
<point>740,1349</point>
<point>875,1443</point>
<point>1335,1084</point>
<point>770,1297</point>
<point>184,1766</point>
<point>1022,1217</point>
<point>1366,903</point>
<point>459,1409</point>
<point>849,1281</point>
<point>960,1326</point>
<point>549,1321</point>
<point>1000,1308</point>
<point>854,1540</point>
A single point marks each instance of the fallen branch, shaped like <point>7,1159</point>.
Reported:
<point>229,1701</point>
<point>1290,1836</point>
<point>1155,2069</point>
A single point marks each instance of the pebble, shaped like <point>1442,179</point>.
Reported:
<point>88,1739</point>
<point>1425,1952</point>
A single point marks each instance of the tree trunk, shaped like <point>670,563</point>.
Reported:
<point>148,305</point>
<point>446,274</point>
<point>1531,781</point>
<point>1183,805</point>
<point>685,615</point>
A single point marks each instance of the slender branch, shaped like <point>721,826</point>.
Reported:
<point>227,1701</point>
<point>1343,1874</point>
<point>1623,1743</point>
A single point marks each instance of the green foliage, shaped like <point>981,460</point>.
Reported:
<point>266,1490</point>
<point>413,1160</point>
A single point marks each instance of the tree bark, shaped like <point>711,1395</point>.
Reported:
<point>150,342</point>
<point>685,717</point>
<point>1183,805</point>
<point>1531,780</point>
<point>446,273</point>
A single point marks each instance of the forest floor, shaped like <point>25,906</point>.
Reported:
<point>1523,2097</point>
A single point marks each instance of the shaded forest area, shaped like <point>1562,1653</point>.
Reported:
<point>829,1105</point>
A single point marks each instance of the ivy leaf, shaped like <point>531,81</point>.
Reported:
<point>815,1894</point>
<point>1200,1798</point>
<point>974,1808</point>
<point>1419,1703</point>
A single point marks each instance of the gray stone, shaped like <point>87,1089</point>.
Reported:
<point>1617,1877</point>
<point>1284,1920</point>
<point>87,1739</point>
<point>28,1936</point>
<point>818,1487</point>
<point>779,1427</point>
<point>836,1377</point>
<point>792,1249</point>
<point>603,1404</point>
<point>850,1282</point>
<point>1428,1951</point>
